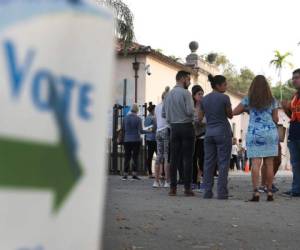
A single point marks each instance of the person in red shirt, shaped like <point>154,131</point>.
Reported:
<point>292,109</point>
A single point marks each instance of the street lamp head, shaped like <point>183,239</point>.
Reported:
<point>136,66</point>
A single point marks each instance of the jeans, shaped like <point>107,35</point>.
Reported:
<point>234,161</point>
<point>132,150</point>
<point>182,145</point>
<point>151,149</point>
<point>217,151</point>
<point>241,162</point>
<point>180,167</point>
<point>198,159</point>
<point>294,147</point>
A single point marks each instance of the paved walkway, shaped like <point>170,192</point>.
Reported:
<point>140,217</point>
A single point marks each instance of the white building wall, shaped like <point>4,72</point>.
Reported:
<point>124,70</point>
<point>204,83</point>
<point>162,75</point>
<point>239,123</point>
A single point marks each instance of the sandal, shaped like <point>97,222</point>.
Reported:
<point>255,197</point>
<point>270,196</point>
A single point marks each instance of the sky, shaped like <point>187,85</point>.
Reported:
<point>247,32</point>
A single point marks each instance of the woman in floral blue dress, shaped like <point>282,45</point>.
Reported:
<point>262,136</point>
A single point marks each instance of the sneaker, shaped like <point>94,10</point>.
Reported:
<point>287,193</point>
<point>155,184</point>
<point>291,194</point>
<point>200,190</point>
<point>161,183</point>
<point>135,177</point>
<point>167,185</point>
<point>274,189</point>
<point>262,189</point>
<point>125,178</point>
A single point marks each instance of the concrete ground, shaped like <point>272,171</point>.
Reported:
<point>140,217</point>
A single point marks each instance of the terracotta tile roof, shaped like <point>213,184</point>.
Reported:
<point>136,48</point>
<point>133,48</point>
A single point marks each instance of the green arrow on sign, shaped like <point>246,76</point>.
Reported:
<point>26,164</point>
<point>37,166</point>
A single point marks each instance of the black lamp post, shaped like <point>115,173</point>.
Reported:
<point>136,67</point>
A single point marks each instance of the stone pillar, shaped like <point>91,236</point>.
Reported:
<point>193,59</point>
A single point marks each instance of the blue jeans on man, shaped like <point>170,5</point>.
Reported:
<point>241,161</point>
<point>294,147</point>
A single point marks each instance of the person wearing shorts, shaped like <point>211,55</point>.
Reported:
<point>163,142</point>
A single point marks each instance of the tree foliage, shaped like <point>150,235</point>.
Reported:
<point>124,20</point>
<point>288,91</point>
<point>240,80</point>
<point>279,62</point>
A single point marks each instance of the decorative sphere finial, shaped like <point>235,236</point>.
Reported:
<point>194,46</point>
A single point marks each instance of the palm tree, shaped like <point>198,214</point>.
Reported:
<point>124,18</point>
<point>279,62</point>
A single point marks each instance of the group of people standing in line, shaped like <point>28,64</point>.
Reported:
<point>191,132</point>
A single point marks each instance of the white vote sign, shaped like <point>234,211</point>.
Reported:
<point>56,62</point>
